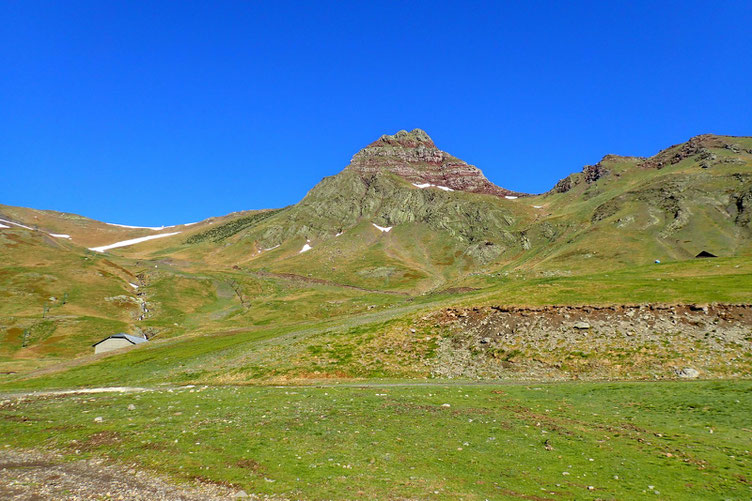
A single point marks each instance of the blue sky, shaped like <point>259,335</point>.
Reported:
<point>166,112</point>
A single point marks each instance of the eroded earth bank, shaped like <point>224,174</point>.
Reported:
<point>595,342</point>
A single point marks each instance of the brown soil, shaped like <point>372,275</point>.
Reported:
<point>37,476</point>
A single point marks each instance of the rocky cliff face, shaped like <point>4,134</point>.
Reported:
<point>414,157</point>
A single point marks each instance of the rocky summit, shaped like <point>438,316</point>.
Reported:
<point>414,157</point>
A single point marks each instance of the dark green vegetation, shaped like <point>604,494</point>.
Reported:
<point>564,441</point>
<point>223,231</point>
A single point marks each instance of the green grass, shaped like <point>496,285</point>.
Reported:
<point>688,440</point>
<point>294,330</point>
<point>226,230</point>
<point>688,281</point>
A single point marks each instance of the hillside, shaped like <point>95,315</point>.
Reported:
<point>405,227</point>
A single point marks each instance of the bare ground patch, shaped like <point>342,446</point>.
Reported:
<point>31,476</point>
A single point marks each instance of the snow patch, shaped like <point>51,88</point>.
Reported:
<point>537,206</point>
<point>133,285</point>
<point>340,233</point>
<point>306,247</point>
<point>15,224</point>
<point>429,185</point>
<point>381,228</point>
<point>510,197</point>
<point>155,228</point>
<point>56,235</point>
<point>271,248</point>
<point>126,243</point>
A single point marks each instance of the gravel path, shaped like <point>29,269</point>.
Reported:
<point>37,476</point>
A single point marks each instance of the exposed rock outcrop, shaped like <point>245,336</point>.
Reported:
<point>414,157</point>
<point>595,342</point>
<point>589,175</point>
<point>698,145</point>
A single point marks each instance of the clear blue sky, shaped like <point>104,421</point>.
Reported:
<point>167,112</point>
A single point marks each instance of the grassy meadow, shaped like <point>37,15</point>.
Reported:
<point>671,440</point>
<point>296,334</point>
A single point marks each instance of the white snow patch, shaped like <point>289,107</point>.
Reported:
<point>340,233</point>
<point>381,228</point>
<point>510,197</point>
<point>429,185</point>
<point>56,235</point>
<point>271,248</point>
<point>537,206</point>
<point>306,247</point>
<point>126,243</point>
<point>155,228</point>
<point>15,224</point>
<point>133,285</point>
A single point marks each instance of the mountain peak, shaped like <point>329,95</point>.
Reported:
<point>412,139</point>
<point>414,157</point>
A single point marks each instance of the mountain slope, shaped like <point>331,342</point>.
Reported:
<point>402,222</point>
<point>628,210</point>
<point>621,211</point>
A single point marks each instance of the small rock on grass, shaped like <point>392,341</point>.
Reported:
<point>688,372</point>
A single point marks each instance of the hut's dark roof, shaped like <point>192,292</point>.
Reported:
<point>705,254</point>
<point>123,335</point>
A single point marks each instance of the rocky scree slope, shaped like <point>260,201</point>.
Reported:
<point>595,342</point>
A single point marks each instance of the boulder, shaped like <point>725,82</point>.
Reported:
<point>688,373</point>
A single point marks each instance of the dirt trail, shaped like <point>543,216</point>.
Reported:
<point>319,281</point>
<point>36,476</point>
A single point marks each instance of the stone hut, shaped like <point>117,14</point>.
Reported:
<point>117,341</point>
